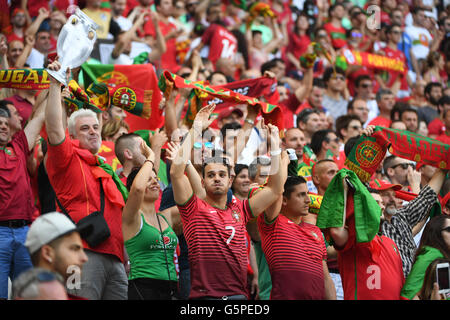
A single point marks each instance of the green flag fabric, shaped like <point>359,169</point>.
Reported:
<point>414,281</point>
<point>334,206</point>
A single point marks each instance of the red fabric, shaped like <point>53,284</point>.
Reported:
<point>289,107</point>
<point>297,46</point>
<point>168,58</point>
<point>23,107</point>
<point>35,5</point>
<point>336,42</point>
<point>443,138</point>
<point>217,252</point>
<point>436,127</point>
<point>62,5</point>
<point>74,174</point>
<point>293,251</point>
<point>381,121</point>
<point>397,55</point>
<point>15,185</point>
<point>222,43</point>
<point>378,273</point>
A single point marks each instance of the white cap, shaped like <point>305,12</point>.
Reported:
<point>47,228</point>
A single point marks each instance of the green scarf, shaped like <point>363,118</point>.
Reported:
<point>334,206</point>
<point>107,168</point>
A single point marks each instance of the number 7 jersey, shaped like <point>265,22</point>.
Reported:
<point>216,244</point>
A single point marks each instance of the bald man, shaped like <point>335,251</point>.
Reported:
<point>322,173</point>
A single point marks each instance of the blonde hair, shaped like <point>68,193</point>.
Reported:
<point>111,127</point>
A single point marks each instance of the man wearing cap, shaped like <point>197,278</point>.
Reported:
<point>16,196</point>
<point>399,222</point>
<point>77,175</point>
<point>54,244</point>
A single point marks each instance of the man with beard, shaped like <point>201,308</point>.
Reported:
<point>15,49</point>
<point>432,92</point>
<point>398,223</point>
<point>215,229</point>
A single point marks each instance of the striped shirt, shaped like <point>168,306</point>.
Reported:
<point>294,254</point>
<point>399,229</point>
<point>216,243</point>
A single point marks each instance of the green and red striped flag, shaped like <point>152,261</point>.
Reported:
<point>368,152</point>
<point>334,206</point>
<point>271,113</point>
<point>134,88</point>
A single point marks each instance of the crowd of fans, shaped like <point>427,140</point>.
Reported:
<point>191,213</point>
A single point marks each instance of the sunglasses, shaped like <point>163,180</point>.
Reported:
<point>447,229</point>
<point>208,145</point>
<point>333,140</point>
<point>356,35</point>
<point>396,32</point>
<point>338,78</point>
<point>366,85</point>
<point>403,165</point>
<point>41,277</point>
<point>356,127</point>
<point>322,35</point>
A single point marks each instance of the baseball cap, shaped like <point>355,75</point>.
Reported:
<point>227,112</point>
<point>47,228</point>
<point>382,185</point>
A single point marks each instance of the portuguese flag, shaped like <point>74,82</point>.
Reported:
<point>134,88</point>
<point>368,152</point>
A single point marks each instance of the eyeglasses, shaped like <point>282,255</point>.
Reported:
<point>403,165</point>
<point>446,229</point>
<point>366,85</point>
<point>41,277</point>
<point>333,140</point>
<point>208,145</point>
<point>338,77</point>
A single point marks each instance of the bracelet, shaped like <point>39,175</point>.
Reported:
<point>250,121</point>
<point>275,153</point>
<point>153,164</point>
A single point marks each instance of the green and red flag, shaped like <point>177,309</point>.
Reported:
<point>369,152</point>
<point>24,79</point>
<point>134,88</point>
<point>226,97</point>
<point>334,207</point>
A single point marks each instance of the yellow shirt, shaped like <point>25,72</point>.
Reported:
<point>102,18</point>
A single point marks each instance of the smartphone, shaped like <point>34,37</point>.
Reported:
<point>443,277</point>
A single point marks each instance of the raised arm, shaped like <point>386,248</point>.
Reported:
<point>34,26</point>
<point>274,188</point>
<point>53,111</point>
<point>161,46</point>
<point>22,59</point>
<point>130,214</point>
<point>157,140</point>
<point>182,189</point>
<point>34,126</point>
<point>127,36</point>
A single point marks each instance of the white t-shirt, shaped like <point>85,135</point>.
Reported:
<point>35,59</point>
<point>124,23</point>
<point>420,41</point>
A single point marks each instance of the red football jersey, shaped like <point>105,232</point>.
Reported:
<point>217,251</point>
<point>222,43</point>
